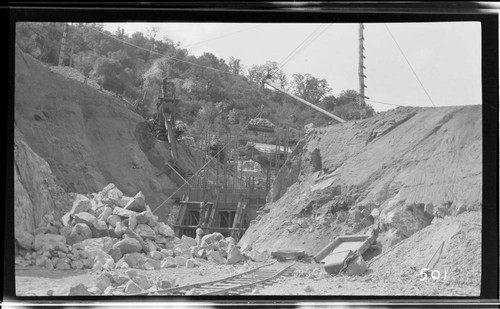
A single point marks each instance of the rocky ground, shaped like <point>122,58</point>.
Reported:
<point>395,272</point>
<point>119,247</point>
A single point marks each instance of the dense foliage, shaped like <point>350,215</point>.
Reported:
<point>216,101</point>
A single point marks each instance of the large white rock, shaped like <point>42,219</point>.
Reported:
<point>165,230</point>
<point>24,239</point>
<point>128,245</point>
<point>234,255</point>
<point>188,241</point>
<point>180,261</point>
<point>107,211</point>
<point>66,219</point>
<point>132,221</point>
<point>357,267</point>
<point>214,256</point>
<point>103,243</point>
<point>123,212</point>
<point>138,204</point>
<point>168,262</point>
<point>98,228</point>
<point>255,256</point>
<point>113,219</point>
<point>81,204</point>
<point>79,232</point>
<point>78,290</point>
<point>145,231</point>
<point>100,256</point>
<point>211,238</point>
<point>408,220</point>
<point>132,288</point>
<point>47,239</point>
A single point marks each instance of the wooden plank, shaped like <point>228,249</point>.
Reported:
<point>238,218</point>
<point>243,213</point>
<point>208,228</point>
<point>180,218</point>
<point>213,211</point>
<point>171,137</point>
<point>237,215</point>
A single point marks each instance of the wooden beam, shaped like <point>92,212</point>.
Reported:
<point>319,109</point>
<point>214,228</point>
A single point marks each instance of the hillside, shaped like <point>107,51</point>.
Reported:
<point>408,163</point>
<point>89,138</point>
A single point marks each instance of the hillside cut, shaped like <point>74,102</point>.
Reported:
<point>399,169</point>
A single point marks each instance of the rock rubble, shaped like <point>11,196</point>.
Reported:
<point>107,230</point>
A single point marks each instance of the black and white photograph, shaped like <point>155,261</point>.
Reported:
<point>185,159</point>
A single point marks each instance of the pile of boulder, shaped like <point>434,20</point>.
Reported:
<point>108,230</point>
<point>216,148</point>
<point>261,122</point>
<point>130,282</point>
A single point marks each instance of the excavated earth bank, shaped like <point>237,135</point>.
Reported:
<point>409,164</point>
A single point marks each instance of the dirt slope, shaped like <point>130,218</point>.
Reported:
<point>88,138</point>
<point>407,163</point>
<point>460,257</point>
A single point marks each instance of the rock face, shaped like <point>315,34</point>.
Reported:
<point>35,191</point>
<point>396,162</point>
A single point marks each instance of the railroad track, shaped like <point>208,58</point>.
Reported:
<point>237,284</point>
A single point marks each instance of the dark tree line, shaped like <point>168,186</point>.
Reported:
<point>212,100</point>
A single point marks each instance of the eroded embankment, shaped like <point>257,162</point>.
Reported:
<point>409,163</point>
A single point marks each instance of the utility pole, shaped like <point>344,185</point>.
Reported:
<point>71,55</point>
<point>63,44</point>
<point>361,67</point>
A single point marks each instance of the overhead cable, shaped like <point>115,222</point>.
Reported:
<point>409,64</point>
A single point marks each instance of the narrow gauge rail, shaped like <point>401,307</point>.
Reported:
<point>229,285</point>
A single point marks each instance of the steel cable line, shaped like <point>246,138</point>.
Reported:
<point>379,102</point>
<point>304,43</point>
<point>213,157</point>
<point>168,57</point>
<point>219,37</point>
<point>201,168</point>
<point>303,47</point>
<point>300,45</point>
<point>408,62</point>
<point>197,172</point>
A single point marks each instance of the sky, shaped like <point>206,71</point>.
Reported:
<point>445,56</point>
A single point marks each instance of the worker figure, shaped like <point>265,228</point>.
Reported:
<point>199,236</point>
<point>203,213</point>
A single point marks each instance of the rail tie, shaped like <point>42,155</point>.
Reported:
<point>243,281</point>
